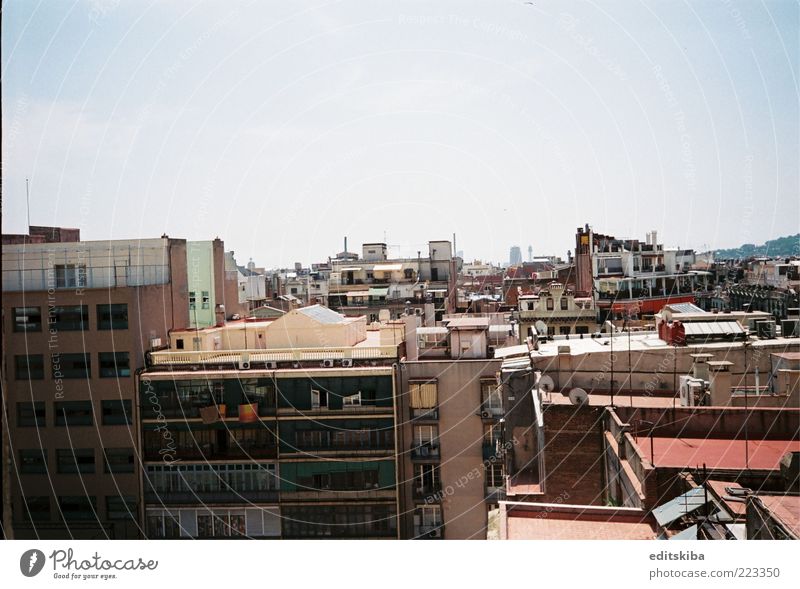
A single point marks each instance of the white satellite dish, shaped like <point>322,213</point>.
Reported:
<point>578,396</point>
<point>541,327</point>
<point>546,384</point>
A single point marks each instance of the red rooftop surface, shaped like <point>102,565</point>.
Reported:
<point>784,508</point>
<point>549,521</point>
<point>721,454</point>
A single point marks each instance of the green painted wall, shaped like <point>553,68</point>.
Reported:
<point>200,269</point>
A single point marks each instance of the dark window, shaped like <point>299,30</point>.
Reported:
<point>68,318</point>
<point>33,461</point>
<point>581,329</point>
<point>31,414</point>
<point>29,367</point>
<point>564,304</point>
<point>119,460</point>
<point>37,508</point>
<point>78,507</point>
<point>549,304</point>
<point>75,460</point>
<point>112,316</point>
<point>71,366</point>
<point>114,364</point>
<point>179,344</point>
<point>27,319</point>
<point>73,413</point>
<point>206,300</point>
<point>121,507</point>
<point>70,275</point>
<point>192,299</point>
<point>117,412</point>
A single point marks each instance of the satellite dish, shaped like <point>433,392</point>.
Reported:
<point>541,327</point>
<point>578,396</point>
<point>546,384</point>
<point>608,327</point>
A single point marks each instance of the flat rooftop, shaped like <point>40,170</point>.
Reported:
<point>785,508</point>
<point>717,454</point>
<point>551,521</point>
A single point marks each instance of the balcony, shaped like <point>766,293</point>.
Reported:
<point>203,497</point>
<point>237,357</point>
<point>338,494</point>
<point>429,493</point>
<point>491,412</point>
<point>212,452</point>
<point>495,494</point>
<point>429,532</point>
<point>422,452</point>
<point>425,414</point>
<point>492,451</point>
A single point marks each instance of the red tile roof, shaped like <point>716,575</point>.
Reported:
<point>714,453</point>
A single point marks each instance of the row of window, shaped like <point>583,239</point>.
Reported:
<point>111,365</point>
<point>205,300</point>
<point>210,478</point>
<point>69,318</point>
<point>424,397</point>
<point>77,461</point>
<point>80,507</point>
<point>73,413</point>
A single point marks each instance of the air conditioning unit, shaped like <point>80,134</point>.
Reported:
<point>272,365</point>
<point>295,364</point>
<point>347,362</point>
<point>435,534</point>
<point>244,362</point>
<point>486,414</point>
<point>155,342</point>
<point>327,364</point>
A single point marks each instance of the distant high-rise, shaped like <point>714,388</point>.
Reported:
<point>515,257</point>
<point>530,253</point>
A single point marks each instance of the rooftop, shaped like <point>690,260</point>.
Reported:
<point>716,453</point>
<point>784,508</point>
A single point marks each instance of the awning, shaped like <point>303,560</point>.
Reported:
<point>356,293</point>
<point>350,269</point>
<point>378,292</point>
<point>387,267</point>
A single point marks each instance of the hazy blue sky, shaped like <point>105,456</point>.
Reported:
<point>283,126</point>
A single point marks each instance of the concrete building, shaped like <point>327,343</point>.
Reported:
<point>78,320</point>
<point>282,428</point>
<point>627,277</point>
<point>557,311</point>
<point>213,284</point>
<point>515,256</point>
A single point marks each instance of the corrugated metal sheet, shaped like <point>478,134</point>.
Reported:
<point>321,314</point>
<point>686,308</point>
<point>680,506</point>
<point>713,328</point>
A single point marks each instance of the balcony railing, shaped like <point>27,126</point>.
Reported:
<point>337,494</point>
<point>428,492</point>
<point>495,494</point>
<point>235,357</point>
<point>201,497</point>
<point>425,414</point>
<point>425,451</point>
<point>211,452</point>
<point>429,532</point>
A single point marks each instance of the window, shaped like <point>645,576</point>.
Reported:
<point>114,364</point>
<point>352,400</point>
<point>319,398</point>
<point>118,460</point>
<point>313,439</point>
<point>179,344</point>
<point>117,412</point>
<point>121,507</point>
<point>564,303</point>
<point>33,461</point>
<point>27,319</point>
<point>70,275</point>
<point>29,367</point>
<point>37,508</point>
<point>426,519</point>
<point>581,329</point>
<point>112,316</point>
<point>192,299</point>
<point>426,435</point>
<point>491,398</point>
<point>72,413</point>
<point>549,303</point>
<point>423,397</point>
<point>206,300</point>
<point>31,414</point>
<point>211,478</point>
<point>426,478</point>
<point>494,475</point>
<point>163,525</point>
<point>78,507</point>
<point>68,318</point>
<point>220,525</point>
<point>492,434</point>
<point>75,460</point>
<point>71,366</point>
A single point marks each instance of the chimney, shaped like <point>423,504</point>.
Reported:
<point>700,365</point>
<point>720,379</point>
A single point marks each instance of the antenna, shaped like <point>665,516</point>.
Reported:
<point>28,201</point>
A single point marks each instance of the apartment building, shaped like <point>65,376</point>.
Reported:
<point>556,310</point>
<point>374,283</point>
<point>278,428</point>
<point>451,416</point>
<point>78,319</point>
<point>628,277</point>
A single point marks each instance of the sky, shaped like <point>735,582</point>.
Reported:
<point>282,127</point>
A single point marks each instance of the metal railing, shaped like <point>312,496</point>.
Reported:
<point>235,357</point>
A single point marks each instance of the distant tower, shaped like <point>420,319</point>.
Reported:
<point>515,256</point>
<point>530,253</point>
